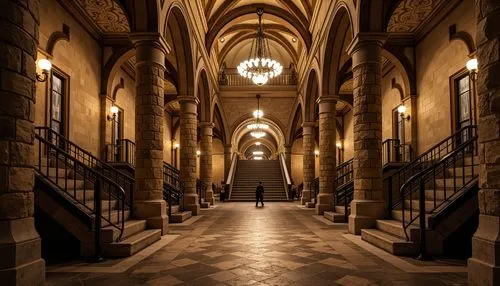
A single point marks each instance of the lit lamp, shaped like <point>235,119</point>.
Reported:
<point>316,153</point>
<point>114,111</point>
<point>198,153</point>
<point>176,145</point>
<point>402,112</point>
<point>257,143</point>
<point>472,65</point>
<point>44,65</point>
<point>339,145</point>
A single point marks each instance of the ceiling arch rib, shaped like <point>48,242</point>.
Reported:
<point>218,26</point>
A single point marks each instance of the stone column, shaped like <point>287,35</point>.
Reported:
<point>484,266</point>
<point>227,161</point>
<point>188,125</point>
<point>327,153</point>
<point>308,160</point>
<point>149,111</point>
<point>206,171</point>
<point>368,203</point>
<point>20,245</point>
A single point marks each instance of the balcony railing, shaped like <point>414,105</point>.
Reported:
<point>394,152</point>
<point>121,152</point>
<point>231,77</point>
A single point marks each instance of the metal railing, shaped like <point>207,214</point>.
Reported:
<point>123,151</point>
<point>395,152</point>
<point>86,158</point>
<point>344,186</point>
<point>392,184</point>
<point>230,176</point>
<point>314,190</point>
<point>201,190</point>
<point>287,182</point>
<point>345,173</point>
<point>439,183</point>
<point>82,185</point>
<point>173,189</point>
<point>235,79</point>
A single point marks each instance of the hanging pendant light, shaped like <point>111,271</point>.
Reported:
<point>260,67</point>
<point>257,127</point>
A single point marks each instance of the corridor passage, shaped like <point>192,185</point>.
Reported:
<point>280,244</point>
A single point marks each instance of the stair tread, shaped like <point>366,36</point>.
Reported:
<point>386,236</point>
<point>145,234</point>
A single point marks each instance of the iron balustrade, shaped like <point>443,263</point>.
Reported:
<point>89,160</point>
<point>235,79</point>
<point>173,189</point>
<point>123,151</point>
<point>393,183</point>
<point>201,190</point>
<point>82,185</point>
<point>344,185</point>
<point>454,171</point>
<point>395,152</point>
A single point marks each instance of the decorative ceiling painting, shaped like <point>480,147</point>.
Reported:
<point>108,15</point>
<point>409,14</point>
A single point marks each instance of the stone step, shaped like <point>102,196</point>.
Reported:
<point>390,243</point>
<point>106,204</point>
<point>448,183</point>
<point>114,217</point>
<point>463,172</point>
<point>398,215</point>
<point>334,217</point>
<point>395,227</point>
<point>310,205</point>
<point>205,205</point>
<point>110,233</point>
<point>72,184</point>
<point>132,244</point>
<point>341,209</point>
<point>180,217</point>
<point>415,205</point>
<point>56,172</point>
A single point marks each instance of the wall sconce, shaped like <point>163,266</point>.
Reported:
<point>176,146</point>
<point>316,153</point>
<point>114,111</point>
<point>339,145</point>
<point>402,112</point>
<point>45,65</point>
<point>198,153</point>
<point>472,66</point>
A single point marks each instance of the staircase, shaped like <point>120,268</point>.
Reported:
<point>74,188</point>
<point>445,186</point>
<point>173,193</point>
<point>248,175</point>
<point>343,194</point>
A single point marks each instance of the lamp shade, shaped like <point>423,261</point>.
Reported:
<point>45,65</point>
<point>401,109</point>
<point>472,65</point>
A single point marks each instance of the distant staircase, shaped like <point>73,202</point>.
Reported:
<point>430,198</point>
<point>78,191</point>
<point>248,175</point>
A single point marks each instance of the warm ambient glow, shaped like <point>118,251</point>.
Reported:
<point>258,114</point>
<point>339,145</point>
<point>258,134</point>
<point>222,40</point>
<point>45,65</point>
<point>316,152</point>
<point>258,153</point>
<point>258,158</point>
<point>401,109</point>
<point>472,65</point>
<point>176,145</point>
<point>294,39</point>
<point>260,67</point>
<point>114,109</point>
<point>257,143</point>
<point>198,152</point>
<point>257,126</point>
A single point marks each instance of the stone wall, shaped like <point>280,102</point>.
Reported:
<point>433,72</point>
<point>391,99</point>
<point>348,136</point>
<point>80,59</point>
<point>297,162</point>
<point>217,161</point>
<point>167,138</point>
<point>125,99</point>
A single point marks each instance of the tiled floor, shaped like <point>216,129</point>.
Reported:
<point>280,244</point>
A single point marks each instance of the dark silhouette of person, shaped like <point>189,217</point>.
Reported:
<point>259,194</point>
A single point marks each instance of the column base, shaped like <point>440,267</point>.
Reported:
<point>20,252</point>
<point>364,213</point>
<point>484,266</point>
<point>191,203</point>
<point>209,197</point>
<point>325,203</point>
<point>154,212</point>
<point>306,197</point>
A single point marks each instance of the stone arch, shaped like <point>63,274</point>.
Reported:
<point>404,67</point>
<point>220,123</point>
<point>275,130</point>
<point>340,31</point>
<point>143,15</point>
<point>371,16</point>
<point>203,95</point>
<point>176,25</point>
<point>311,95</point>
<point>295,123</point>
<point>111,67</point>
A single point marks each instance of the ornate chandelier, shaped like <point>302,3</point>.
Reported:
<point>260,67</point>
<point>258,127</point>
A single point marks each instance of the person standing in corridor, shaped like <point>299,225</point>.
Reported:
<point>259,194</point>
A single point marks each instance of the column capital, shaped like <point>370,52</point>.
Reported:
<point>327,103</point>
<point>308,128</point>
<point>150,39</point>
<point>206,128</point>
<point>366,39</point>
<point>204,124</point>
<point>189,104</point>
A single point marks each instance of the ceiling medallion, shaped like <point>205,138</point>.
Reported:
<point>260,67</point>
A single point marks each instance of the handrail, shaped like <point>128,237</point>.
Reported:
<point>201,190</point>
<point>173,188</point>
<point>287,184</point>
<point>437,171</point>
<point>344,185</point>
<point>231,174</point>
<point>394,182</point>
<point>395,152</point>
<point>80,154</point>
<point>122,151</point>
<point>344,173</point>
<point>78,192</point>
